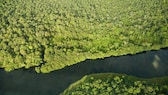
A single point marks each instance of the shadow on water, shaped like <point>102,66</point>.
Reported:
<point>27,82</point>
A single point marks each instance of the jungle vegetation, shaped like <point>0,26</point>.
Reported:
<point>52,34</point>
<point>117,84</point>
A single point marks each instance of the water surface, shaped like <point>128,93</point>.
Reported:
<point>27,82</point>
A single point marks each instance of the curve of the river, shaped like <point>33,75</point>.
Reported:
<point>27,82</point>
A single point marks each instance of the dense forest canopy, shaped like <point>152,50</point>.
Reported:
<point>117,84</point>
<point>52,34</point>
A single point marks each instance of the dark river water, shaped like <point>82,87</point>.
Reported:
<point>27,82</point>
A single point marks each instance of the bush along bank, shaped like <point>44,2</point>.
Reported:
<point>117,84</point>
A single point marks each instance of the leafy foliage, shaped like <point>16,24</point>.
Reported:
<point>52,34</point>
<point>117,84</point>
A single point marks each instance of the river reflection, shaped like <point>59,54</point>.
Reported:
<point>27,82</point>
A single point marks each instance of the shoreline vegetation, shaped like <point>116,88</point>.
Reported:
<point>117,84</point>
<point>52,34</point>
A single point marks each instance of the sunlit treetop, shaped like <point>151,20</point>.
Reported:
<point>52,34</point>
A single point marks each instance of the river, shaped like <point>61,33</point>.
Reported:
<point>27,82</point>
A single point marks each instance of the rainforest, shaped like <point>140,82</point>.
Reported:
<point>50,35</point>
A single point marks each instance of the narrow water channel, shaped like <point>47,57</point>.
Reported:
<point>27,82</point>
